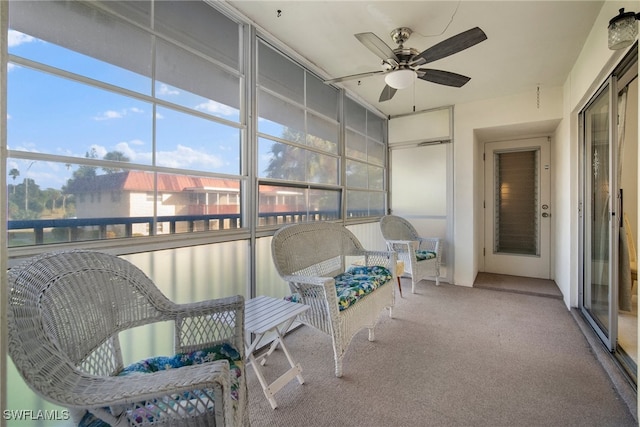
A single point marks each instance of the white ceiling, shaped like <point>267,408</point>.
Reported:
<point>529,43</point>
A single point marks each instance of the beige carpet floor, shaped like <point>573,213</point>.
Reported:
<point>451,356</point>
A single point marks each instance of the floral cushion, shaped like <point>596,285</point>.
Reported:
<point>294,297</point>
<point>359,281</point>
<point>422,255</point>
<point>223,351</point>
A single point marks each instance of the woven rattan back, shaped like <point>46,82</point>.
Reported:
<point>313,249</point>
<point>68,307</point>
<point>397,228</point>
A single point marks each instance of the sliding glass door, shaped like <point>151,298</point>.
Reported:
<point>597,214</point>
<point>609,208</point>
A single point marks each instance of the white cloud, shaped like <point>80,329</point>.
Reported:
<point>186,158</point>
<point>124,148</point>
<point>166,90</point>
<point>109,115</point>
<point>17,38</point>
<point>216,108</point>
<point>113,114</point>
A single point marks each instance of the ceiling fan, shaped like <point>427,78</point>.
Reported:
<point>402,65</point>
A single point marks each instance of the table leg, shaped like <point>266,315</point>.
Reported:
<point>263,382</point>
<point>399,287</point>
<point>295,370</point>
<point>294,366</point>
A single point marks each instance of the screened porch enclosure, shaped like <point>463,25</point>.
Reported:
<point>166,165</point>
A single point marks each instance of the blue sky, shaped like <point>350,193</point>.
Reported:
<point>49,114</point>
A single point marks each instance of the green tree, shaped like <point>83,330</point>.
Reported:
<point>84,171</point>
<point>51,196</point>
<point>27,201</point>
<point>299,163</point>
<point>116,156</point>
<point>291,162</point>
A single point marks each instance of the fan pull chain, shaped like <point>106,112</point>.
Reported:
<point>414,96</point>
<point>538,97</point>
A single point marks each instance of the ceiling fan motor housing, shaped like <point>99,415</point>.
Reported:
<point>401,35</point>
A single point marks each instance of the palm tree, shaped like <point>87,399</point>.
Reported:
<point>14,173</point>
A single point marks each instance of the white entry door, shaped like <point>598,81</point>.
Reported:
<point>517,208</point>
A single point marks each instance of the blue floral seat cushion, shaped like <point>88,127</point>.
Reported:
<point>223,351</point>
<point>359,281</point>
<point>422,255</point>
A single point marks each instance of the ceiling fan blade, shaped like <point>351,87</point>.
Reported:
<point>449,46</point>
<point>387,93</point>
<point>376,45</point>
<point>442,77</point>
<point>354,76</point>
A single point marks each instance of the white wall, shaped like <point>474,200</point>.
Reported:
<point>593,65</point>
<point>474,124</point>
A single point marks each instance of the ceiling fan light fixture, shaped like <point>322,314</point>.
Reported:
<point>400,79</point>
<point>623,29</point>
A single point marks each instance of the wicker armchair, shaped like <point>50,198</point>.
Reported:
<point>421,255</point>
<point>309,257</point>
<point>65,312</point>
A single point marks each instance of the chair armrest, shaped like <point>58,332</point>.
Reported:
<point>403,245</point>
<point>315,291</point>
<point>90,391</point>
<point>308,280</point>
<point>205,323</point>
<point>401,242</point>
<point>431,244</point>
<point>382,258</point>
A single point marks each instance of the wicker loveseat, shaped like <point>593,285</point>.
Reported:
<point>317,260</point>
<point>421,255</point>
<point>66,310</point>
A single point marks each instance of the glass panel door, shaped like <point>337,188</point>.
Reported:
<point>518,207</point>
<point>598,271</point>
<point>627,344</point>
<point>627,218</point>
